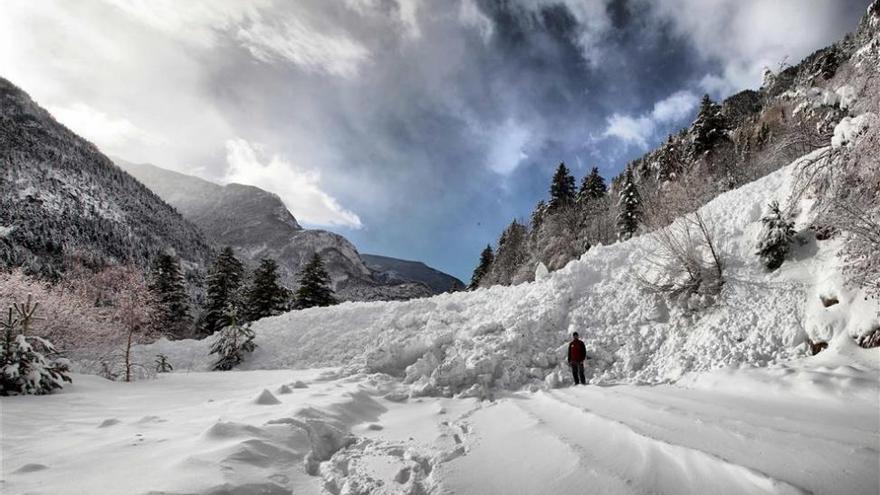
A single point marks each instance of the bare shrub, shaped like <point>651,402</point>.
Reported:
<point>687,266</point>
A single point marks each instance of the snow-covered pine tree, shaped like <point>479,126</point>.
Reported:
<point>709,127</point>
<point>162,364</point>
<point>314,286</point>
<point>629,207</point>
<point>562,190</point>
<point>775,238</point>
<point>265,296</point>
<point>224,288</point>
<point>487,257</point>
<point>234,340</point>
<point>24,365</point>
<point>510,255</point>
<point>592,187</point>
<point>169,290</point>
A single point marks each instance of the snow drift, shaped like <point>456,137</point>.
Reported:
<point>470,343</point>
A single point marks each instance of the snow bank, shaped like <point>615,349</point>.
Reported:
<point>471,343</point>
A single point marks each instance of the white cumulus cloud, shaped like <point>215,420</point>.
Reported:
<point>300,189</point>
<point>109,133</point>
<point>638,130</point>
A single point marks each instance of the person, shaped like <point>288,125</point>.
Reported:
<point>577,352</point>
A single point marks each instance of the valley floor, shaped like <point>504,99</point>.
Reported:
<point>786,429</point>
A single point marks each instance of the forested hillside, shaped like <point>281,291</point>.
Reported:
<point>729,143</point>
<point>63,202</point>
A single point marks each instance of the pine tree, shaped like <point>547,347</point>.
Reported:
<point>224,287</point>
<point>710,126</point>
<point>169,290</point>
<point>487,257</point>
<point>775,239</point>
<point>314,286</point>
<point>234,340</point>
<point>592,187</point>
<point>629,207</point>
<point>538,215</point>
<point>562,191</point>
<point>162,364</point>
<point>24,365</point>
<point>265,296</point>
<point>509,256</point>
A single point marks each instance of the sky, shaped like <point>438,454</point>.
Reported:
<point>416,128</point>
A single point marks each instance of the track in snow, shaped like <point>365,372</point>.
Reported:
<point>665,439</point>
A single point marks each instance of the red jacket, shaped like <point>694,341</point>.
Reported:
<point>577,351</point>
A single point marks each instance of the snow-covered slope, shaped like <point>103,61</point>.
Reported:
<point>61,199</point>
<point>509,337</point>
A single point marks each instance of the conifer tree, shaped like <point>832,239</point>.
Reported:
<point>265,296</point>
<point>775,239</point>
<point>562,190</point>
<point>234,340</point>
<point>224,287</point>
<point>27,362</point>
<point>169,290</point>
<point>509,256</point>
<point>538,215</point>
<point>710,126</point>
<point>592,187</point>
<point>314,286</point>
<point>162,364</point>
<point>629,207</point>
<point>487,257</point>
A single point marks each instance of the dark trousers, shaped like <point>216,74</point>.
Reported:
<point>577,371</point>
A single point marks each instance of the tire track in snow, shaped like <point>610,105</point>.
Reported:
<point>657,465</point>
<point>816,448</point>
<point>510,451</point>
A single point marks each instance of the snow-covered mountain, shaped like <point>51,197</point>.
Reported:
<point>257,224</point>
<point>61,198</point>
<point>392,269</point>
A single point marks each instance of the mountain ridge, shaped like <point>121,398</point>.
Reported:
<point>257,224</point>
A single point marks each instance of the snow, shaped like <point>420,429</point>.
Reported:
<point>804,427</point>
<point>472,344</point>
<point>846,131</point>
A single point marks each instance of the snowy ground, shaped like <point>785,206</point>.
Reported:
<point>806,427</point>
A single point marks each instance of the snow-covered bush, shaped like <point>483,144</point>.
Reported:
<point>27,363</point>
<point>234,340</point>
<point>775,238</point>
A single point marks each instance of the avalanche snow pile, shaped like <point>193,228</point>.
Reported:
<point>470,343</point>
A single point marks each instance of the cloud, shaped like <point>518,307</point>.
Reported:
<point>299,189</point>
<point>640,129</point>
<point>110,134</point>
<point>295,41</point>
<point>507,147</point>
<point>744,36</point>
<point>268,33</point>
